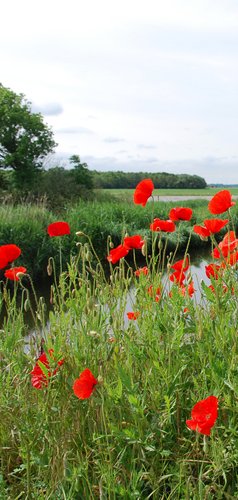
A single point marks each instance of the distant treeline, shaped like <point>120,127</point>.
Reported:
<point>162,180</point>
<point>59,186</point>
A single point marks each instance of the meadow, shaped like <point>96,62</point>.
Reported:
<point>209,191</point>
<point>100,404</point>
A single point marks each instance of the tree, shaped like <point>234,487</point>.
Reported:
<point>25,139</point>
<point>82,175</point>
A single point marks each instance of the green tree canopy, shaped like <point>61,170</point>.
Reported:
<point>82,175</point>
<point>25,139</point>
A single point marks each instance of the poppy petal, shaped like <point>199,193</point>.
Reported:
<point>143,191</point>
<point>85,384</point>
<point>58,229</point>
<point>220,202</point>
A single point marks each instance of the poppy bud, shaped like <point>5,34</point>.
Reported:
<point>49,268</point>
<point>80,233</point>
<point>111,245</point>
<point>160,245</point>
<point>144,249</point>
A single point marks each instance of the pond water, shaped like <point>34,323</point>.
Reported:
<point>197,269</point>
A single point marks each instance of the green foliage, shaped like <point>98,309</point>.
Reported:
<point>24,138</point>
<point>26,225</point>
<point>81,175</point>
<point>130,439</point>
<point>163,180</point>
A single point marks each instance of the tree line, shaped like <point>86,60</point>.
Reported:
<point>25,142</point>
<point>163,180</point>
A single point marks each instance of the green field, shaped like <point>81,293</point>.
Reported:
<point>174,192</point>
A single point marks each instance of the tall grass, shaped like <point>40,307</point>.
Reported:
<point>129,439</point>
<point>26,226</point>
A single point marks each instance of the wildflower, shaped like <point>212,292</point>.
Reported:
<point>133,242</point>
<point>154,293</point>
<point>220,202</point>
<point>142,270</point>
<point>232,258</point>
<point>204,415</point>
<point>3,261</point>
<point>8,253</point>
<point>143,191</point>
<point>58,229</point>
<point>226,246</point>
<point>189,289</point>
<point>12,273</point>
<point>85,384</point>
<point>117,253</point>
<point>180,213</point>
<point>202,232</point>
<point>133,315</point>
<point>182,264</point>
<point>39,377</point>
<point>211,226</point>
<point>213,270</point>
<point>167,226</point>
<point>178,277</point>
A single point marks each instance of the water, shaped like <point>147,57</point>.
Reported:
<point>197,271</point>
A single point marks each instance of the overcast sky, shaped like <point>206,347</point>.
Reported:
<point>130,85</point>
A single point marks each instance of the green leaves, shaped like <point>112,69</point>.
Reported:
<point>24,138</point>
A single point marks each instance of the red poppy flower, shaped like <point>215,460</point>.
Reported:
<point>204,415</point>
<point>177,277</point>
<point>180,265</point>
<point>133,315</point>
<point>211,226</point>
<point>220,202</point>
<point>202,232</point>
<point>3,261</point>
<point>154,293</point>
<point>226,246</point>
<point>8,253</point>
<point>133,242</point>
<point>232,259</point>
<point>142,270</point>
<point>213,270</point>
<point>38,377</point>
<point>180,213</point>
<point>189,289</point>
<point>167,226</point>
<point>12,273</point>
<point>143,191</point>
<point>215,225</point>
<point>58,229</point>
<point>85,384</point>
<point>117,253</point>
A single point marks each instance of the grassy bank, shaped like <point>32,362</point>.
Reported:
<point>26,226</point>
<point>129,437</point>
<point>209,191</point>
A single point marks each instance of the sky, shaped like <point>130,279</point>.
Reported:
<point>132,85</point>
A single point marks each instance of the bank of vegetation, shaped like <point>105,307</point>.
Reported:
<point>26,226</point>
<point>99,403</point>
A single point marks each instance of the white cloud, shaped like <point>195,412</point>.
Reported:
<point>160,75</point>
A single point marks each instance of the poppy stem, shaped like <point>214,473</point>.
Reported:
<point>60,255</point>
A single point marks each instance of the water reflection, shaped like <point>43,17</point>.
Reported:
<point>197,270</point>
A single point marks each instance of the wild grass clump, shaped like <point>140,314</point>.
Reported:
<point>128,437</point>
